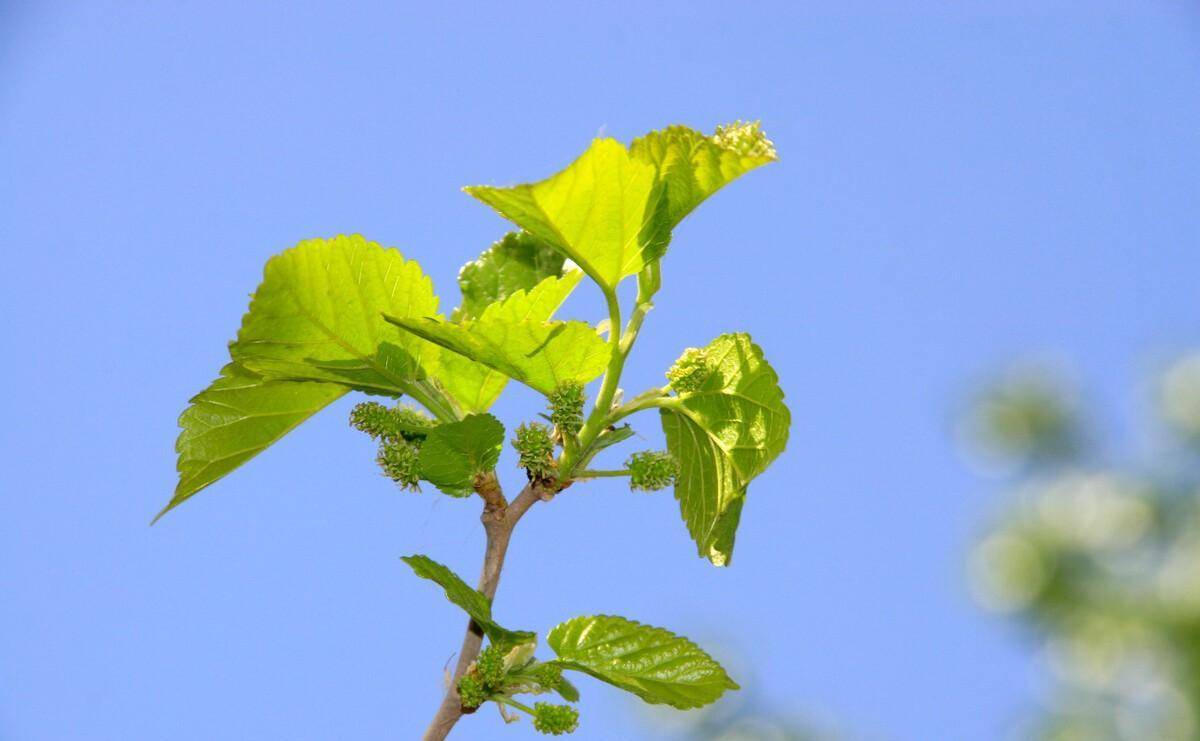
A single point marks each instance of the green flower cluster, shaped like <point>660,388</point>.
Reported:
<point>651,470</point>
<point>554,719</point>
<point>689,371</point>
<point>400,432</point>
<point>566,408</point>
<point>484,679</point>
<point>534,444</point>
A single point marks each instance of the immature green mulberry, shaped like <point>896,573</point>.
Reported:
<point>689,371</point>
<point>389,424</point>
<point>547,675</point>
<point>651,470</point>
<point>398,459</point>
<point>566,408</point>
<point>555,719</point>
<point>535,446</point>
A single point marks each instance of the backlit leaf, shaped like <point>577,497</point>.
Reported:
<point>237,417</point>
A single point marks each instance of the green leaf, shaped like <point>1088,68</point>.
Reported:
<point>692,166</point>
<point>470,600</point>
<point>318,316</point>
<point>454,453</point>
<point>724,433</point>
<point>476,386</point>
<point>509,337</point>
<point>596,211</point>
<point>237,417</point>
<point>518,262</point>
<point>654,664</point>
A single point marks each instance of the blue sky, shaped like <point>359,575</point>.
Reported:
<point>961,185</point>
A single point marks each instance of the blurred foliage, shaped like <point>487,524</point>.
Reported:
<point>1101,566</point>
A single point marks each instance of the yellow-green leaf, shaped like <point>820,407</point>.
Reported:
<point>692,166</point>
<point>596,211</point>
<point>237,417</point>
<point>318,315</point>
<point>510,339</point>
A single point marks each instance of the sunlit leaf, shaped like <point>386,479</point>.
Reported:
<point>509,339</point>
<point>318,315</point>
<point>692,166</point>
<point>596,211</point>
<point>237,417</point>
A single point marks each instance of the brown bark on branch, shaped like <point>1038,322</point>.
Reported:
<point>499,519</point>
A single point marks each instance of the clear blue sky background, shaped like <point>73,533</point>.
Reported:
<point>960,185</point>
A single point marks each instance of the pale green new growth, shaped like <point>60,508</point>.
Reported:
<point>346,314</point>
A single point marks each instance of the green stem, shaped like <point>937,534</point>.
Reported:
<point>505,700</point>
<point>601,474</point>
<point>432,399</point>
<point>608,387</point>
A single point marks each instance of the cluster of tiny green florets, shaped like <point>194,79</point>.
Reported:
<point>689,371</point>
<point>400,432</point>
<point>566,408</point>
<point>747,139</point>
<point>484,679</point>
<point>651,470</point>
<point>535,446</point>
<point>554,719</point>
<point>546,675</point>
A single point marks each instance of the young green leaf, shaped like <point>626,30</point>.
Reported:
<point>518,262</point>
<point>511,338</point>
<point>724,431</point>
<point>454,453</point>
<point>318,315</point>
<point>654,664</point>
<point>237,417</point>
<point>692,166</point>
<point>595,212</point>
<point>470,600</point>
